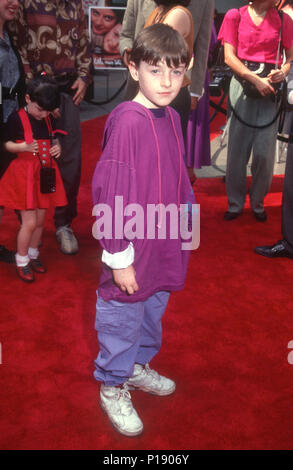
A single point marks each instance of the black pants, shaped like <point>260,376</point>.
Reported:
<point>287,203</point>
<point>181,104</point>
<point>70,161</point>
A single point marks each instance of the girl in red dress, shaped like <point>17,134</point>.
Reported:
<point>30,134</point>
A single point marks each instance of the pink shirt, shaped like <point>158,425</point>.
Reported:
<point>256,43</point>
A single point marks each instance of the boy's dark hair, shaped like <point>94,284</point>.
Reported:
<point>160,41</point>
<point>44,91</point>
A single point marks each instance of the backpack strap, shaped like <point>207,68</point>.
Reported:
<point>49,125</point>
<point>50,128</point>
<point>28,133</point>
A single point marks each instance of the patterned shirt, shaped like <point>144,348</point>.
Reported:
<point>9,73</point>
<point>52,36</point>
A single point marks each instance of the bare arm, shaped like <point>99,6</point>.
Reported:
<point>279,74</point>
<point>14,147</point>
<point>179,20</point>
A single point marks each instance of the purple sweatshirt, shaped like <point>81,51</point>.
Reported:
<point>142,161</point>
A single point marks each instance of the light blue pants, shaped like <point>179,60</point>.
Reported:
<point>128,333</point>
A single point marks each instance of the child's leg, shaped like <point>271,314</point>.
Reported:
<point>118,328</point>
<point>29,222</point>
<point>33,250</point>
<point>38,232</point>
<point>28,226</point>
<point>151,330</point>
<point>31,229</point>
<point>118,325</point>
<point>143,377</point>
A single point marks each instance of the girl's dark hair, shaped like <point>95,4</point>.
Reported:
<point>160,41</point>
<point>44,91</point>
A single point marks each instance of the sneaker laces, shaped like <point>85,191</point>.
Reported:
<point>67,230</point>
<point>123,401</point>
<point>151,373</point>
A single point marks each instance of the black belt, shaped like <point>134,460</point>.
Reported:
<point>9,93</point>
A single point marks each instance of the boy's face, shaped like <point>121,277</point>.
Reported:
<point>158,84</point>
<point>35,110</point>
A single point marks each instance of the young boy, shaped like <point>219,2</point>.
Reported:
<point>141,167</point>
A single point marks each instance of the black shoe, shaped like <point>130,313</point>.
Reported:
<point>278,250</point>
<point>6,255</point>
<point>260,216</point>
<point>231,215</point>
<point>37,266</point>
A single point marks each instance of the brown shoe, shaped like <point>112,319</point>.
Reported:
<point>25,273</point>
<point>37,266</point>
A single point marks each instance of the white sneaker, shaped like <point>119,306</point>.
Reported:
<point>67,240</point>
<point>150,381</point>
<point>116,402</point>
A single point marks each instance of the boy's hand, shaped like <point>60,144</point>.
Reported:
<point>55,151</point>
<point>125,279</point>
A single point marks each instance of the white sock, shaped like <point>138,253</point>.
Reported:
<point>21,261</point>
<point>33,253</point>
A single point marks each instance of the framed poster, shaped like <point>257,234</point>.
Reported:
<point>91,3</point>
<point>105,25</point>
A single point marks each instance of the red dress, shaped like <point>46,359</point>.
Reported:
<point>20,184</point>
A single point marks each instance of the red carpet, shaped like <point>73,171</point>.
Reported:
<point>218,121</point>
<point>225,340</point>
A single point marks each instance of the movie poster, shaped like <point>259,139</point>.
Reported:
<point>105,25</point>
